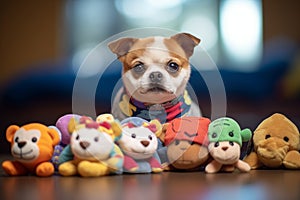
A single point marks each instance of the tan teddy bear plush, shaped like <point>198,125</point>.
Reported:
<point>276,144</point>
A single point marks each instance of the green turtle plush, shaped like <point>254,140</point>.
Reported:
<point>225,141</point>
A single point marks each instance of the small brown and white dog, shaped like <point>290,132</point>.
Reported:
<point>155,74</point>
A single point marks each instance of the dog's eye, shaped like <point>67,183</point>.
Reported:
<point>139,68</point>
<point>150,137</point>
<point>133,135</point>
<point>17,140</point>
<point>96,139</point>
<point>231,143</point>
<point>77,137</point>
<point>286,139</point>
<point>172,67</point>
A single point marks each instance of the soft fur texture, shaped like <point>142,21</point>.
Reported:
<point>184,143</point>
<point>276,144</point>
<point>226,137</point>
<point>139,144</point>
<point>92,145</point>
<point>32,146</point>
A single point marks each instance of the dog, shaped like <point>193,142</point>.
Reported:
<point>155,74</point>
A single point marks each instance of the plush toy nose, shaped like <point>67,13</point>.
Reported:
<point>84,145</point>
<point>145,143</point>
<point>224,148</point>
<point>21,144</point>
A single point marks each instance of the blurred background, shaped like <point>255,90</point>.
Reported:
<point>255,44</point>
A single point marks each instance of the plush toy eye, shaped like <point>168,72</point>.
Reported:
<point>96,139</point>
<point>150,137</point>
<point>77,137</point>
<point>231,143</point>
<point>216,144</point>
<point>214,135</point>
<point>177,142</point>
<point>34,139</point>
<point>133,135</point>
<point>267,136</point>
<point>231,134</point>
<point>17,140</point>
<point>286,139</point>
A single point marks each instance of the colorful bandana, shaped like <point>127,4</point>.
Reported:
<point>163,112</point>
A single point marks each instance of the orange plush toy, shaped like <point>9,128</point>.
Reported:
<point>184,144</point>
<point>276,144</point>
<point>32,146</point>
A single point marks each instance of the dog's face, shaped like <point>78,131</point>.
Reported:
<point>155,69</point>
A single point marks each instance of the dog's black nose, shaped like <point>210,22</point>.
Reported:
<point>156,77</point>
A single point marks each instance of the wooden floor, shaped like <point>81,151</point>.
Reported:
<point>256,185</point>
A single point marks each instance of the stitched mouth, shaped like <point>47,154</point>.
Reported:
<point>144,152</point>
<point>24,155</point>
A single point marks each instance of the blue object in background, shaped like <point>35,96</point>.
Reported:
<point>58,85</point>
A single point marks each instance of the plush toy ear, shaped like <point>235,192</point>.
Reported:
<point>10,132</point>
<point>157,125</point>
<point>163,131</point>
<point>54,134</point>
<point>121,46</point>
<point>105,118</point>
<point>117,129</point>
<point>246,134</point>
<point>71,125</point>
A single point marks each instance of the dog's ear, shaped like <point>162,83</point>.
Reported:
<point>121,46</point>
<point>187,42</point>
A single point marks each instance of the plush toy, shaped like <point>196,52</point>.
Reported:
<point>184,143</point>
<point>62,126</point>
<point>92,148</point>
<point>226,137</point>
<point>139,144</point>
<point>32,146</point>
<point>106,117</point>
<point>276,144</point>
